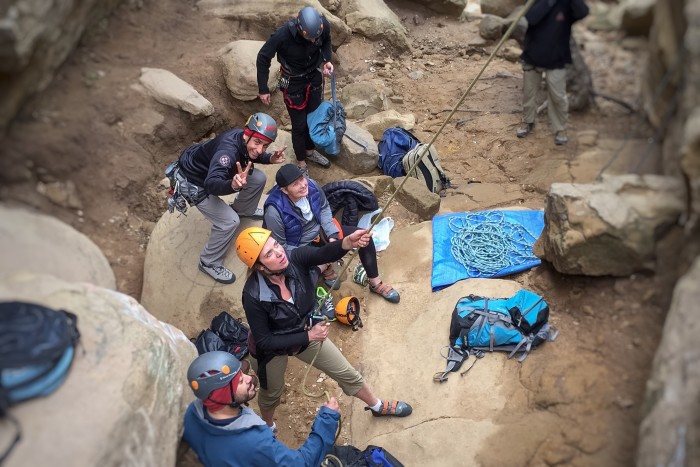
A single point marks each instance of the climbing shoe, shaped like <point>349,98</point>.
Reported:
<point>524,130</point>
<point>330,277</point>
<point>317,158</point>
<point>393,408</point>
<point>386,291</point>
<point>258,214</point>
<point>218,273</point>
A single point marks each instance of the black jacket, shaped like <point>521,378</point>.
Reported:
<point>549,31</point>
<point>297,56</point>
<point>212,164</point>
<point>351,196</point>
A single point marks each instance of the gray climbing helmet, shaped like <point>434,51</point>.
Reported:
<point>211,371</point>
<point>263,124</point>
<point>309,23</point>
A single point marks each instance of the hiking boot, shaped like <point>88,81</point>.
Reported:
<point>385,290</point>
<point>317,158</point>
<point>218,273</point>
<point>560,138</point>
<point>258,214</point>
<point>304,170</point>
<point>524,130</point>
<point>395,408</point>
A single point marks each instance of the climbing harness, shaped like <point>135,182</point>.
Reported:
<point>486,243</point>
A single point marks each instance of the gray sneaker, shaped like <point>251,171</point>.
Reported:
<point>560,138</point>
<point>524,130</point>
<point>317,158</point>
<point>218,273</point>
<point>258,214</point>
<point>304,170</point>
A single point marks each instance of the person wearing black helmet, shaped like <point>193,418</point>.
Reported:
<point>303,48</point>
<point>223,432</point>
<point>222,166</point>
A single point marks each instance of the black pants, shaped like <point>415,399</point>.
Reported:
<point>303,95</point>
<point>368,254</point>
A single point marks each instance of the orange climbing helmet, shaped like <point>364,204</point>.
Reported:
<point>347,311</point>
<point>250,243</point>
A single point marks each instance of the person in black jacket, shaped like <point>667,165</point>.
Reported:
<point>546,50</point>
<point>222,166</point>
<point>279,303</point>
<point>303,48</point>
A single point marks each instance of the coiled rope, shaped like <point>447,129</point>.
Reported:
<point>486,243</point>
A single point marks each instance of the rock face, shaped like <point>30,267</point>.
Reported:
<point>608,228</point>
<point>358,152</point>
<point>416,197</point>
<point>35,38</point>
<point>377,123</point>
<point>375,20</point>
<point>501,8</point>
<point>170,90</point>
<point>124,399</point>
<point>671,425</point>
<point>364,98</point>
<point>447,7</point>
<point>238,62</point>
<point>637,16</point>
<point>34,243</point>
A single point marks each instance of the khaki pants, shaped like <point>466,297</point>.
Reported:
<point>557,103</point>
<point>329,360</point>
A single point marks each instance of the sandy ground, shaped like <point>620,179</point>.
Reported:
<point>87,127</point>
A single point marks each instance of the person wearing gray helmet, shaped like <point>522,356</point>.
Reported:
<point>222,432</point>
<point>303,48</point>
<point>223,166</point>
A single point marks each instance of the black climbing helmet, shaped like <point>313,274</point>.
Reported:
<point>309,23</point>
<point>211,371</point>
<point>262,124</point>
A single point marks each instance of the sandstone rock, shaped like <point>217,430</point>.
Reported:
<point>671,412</point>
<point>492,27</point>
<point>690,161</point>
<point>637,16</point>
<point>268,15</point>
<point>351,59</point>
<point>416,74</point>
<point>124,399</point>
<point>447,7</point>
<point>377,123</point>
<point>501,8</point>
<point>364,98</point>
<point>170,90</point>
<point>238,62</point>
<point>587,137</point>
<point>358,152</point>
<point>416,197</point>
<point>380,185</point>
<point>39,244</point>
<point>609,228</point>
<point>63,194</point>
<point>35,39</point>
<point>375,20</point>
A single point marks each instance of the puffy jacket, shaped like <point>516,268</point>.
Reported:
<point>247,441</point>
<point>350,196</point>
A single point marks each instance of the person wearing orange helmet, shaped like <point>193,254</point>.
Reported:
<point>279,302</point>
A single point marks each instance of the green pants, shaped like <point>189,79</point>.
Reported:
<point>557,103</point>
<point>329,360</point>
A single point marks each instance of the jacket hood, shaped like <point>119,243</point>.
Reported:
<point>247,420</point>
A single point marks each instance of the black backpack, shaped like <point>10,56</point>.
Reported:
<point>37,345</point>
<point>226,333</point>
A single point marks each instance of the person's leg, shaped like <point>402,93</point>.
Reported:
<point>557,102</point>
<point>269,398</point>
<point>315,99</point>
<point>531,83</point>
<point>248,198</point>
<point>224,222</point>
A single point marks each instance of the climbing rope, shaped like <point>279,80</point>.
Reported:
<point>486,243</point>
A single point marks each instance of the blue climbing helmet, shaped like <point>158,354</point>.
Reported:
<point>309,23</point>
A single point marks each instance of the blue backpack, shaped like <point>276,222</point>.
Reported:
<point>395,143</point>
<point>327,124</point>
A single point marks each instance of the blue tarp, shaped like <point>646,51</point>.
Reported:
<point>523,227</point>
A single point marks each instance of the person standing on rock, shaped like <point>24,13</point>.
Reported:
<point>223,166</point>
<point>297,213</point>
<point>303,48</point>
<point>222,432</point>
<point>279,301</point>
<point>546,50</point>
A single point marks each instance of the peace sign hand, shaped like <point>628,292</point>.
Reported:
<point>278,156</point>
<point>241,178</point>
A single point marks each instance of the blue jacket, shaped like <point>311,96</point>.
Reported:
<point>292,221</point>
<point>249,442</point>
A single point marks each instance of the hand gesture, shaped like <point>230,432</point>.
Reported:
<point>319,332</point>
<point>278,156</point>
<point>241,178</point>
<point>358,239</point>
<point>327,69</point>
<point>332,404</point>
<point>264,98</point>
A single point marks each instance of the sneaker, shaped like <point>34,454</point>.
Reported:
<point>304,170</point>
<point>258,214</point>
<point>219,273</point>
<point>560,138</point>
<point>395,408</point>
<point>524,130</point>
<point>317,158</point>
<point>327,308</point>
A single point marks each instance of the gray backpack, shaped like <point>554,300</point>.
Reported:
<point>428,170</point>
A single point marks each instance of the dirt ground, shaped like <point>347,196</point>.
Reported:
<point>81,130</point>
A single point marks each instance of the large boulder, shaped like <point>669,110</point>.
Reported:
<point>35,39</point>
<point>375,20</point>
<point>267,15</point>
<point>447,7</point>
<point>637,16</point>
<point>358,152</point>
<point>377,123</point>
<point>608,228</point>
<point>416,197</point>
<point>35,243</point>
<point>238,63</point>
<point>492,27</point>
<point>168,89</point>
<point>124,399</point>
<point>364,98</point>
<point>671,425</point>
<point>501,8</point>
